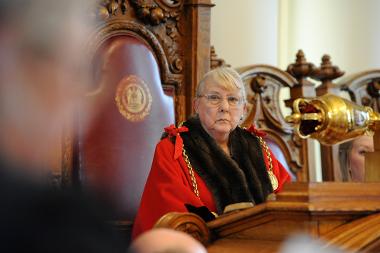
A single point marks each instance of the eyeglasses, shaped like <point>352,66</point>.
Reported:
<point>215,99</point>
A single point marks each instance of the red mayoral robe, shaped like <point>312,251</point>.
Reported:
<point>169,186</point>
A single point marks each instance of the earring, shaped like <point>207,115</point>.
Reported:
<point>242,116</point>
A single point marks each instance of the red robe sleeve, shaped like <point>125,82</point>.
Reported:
<point>167,189</point>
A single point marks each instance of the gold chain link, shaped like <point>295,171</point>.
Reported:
<point>191,172</point>
<point>272,177</point>
<point>265,146</point>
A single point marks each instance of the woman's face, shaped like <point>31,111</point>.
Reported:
<point>360,146</point>
<point>219,119</point>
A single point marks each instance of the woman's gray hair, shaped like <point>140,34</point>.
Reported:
<point>226,77</point>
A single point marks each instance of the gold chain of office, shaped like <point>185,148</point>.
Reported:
<point>191,172</point>
<point>271,175</point>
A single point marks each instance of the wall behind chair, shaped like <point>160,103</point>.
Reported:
<point>244,32</point>
<point>271,31</point>
<point>347,30</point>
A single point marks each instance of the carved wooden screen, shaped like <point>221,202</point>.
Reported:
<point>263,84</point>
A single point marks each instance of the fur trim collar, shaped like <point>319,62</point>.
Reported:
<point>242,177</point>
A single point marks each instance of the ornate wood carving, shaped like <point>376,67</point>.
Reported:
<point>166,13</point>
<point>156,12</point>
<point>161,18</point>
<point>186,222</point>
<point>363,88</point>
<point>302,70</point>
<point>118,27</point>
<point>151,12</point>
<point>326,73</point>
<point>263,85</point>
<point>171,24</point>
<point>215,61</point>
<point>110,8</point>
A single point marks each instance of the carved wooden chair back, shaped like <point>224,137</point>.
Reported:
<point>363,88</point>
<point>264,84</point>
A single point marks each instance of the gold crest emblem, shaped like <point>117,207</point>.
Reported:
<point>133,98</point>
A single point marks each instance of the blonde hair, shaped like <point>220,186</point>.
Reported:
<point>344,160</point>
<point>224,77</point>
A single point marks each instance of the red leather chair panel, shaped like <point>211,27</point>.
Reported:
<point>131,109</point>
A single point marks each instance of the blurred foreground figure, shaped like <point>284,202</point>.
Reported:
<point>41,58</point>
<point>41,63</point>
<point>163,240</point>
<point>306,244</point>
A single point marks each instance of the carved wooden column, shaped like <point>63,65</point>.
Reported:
<point>301,70</point>
<point>197,14</point>
<point>326,73</point>
<point>215,61</point>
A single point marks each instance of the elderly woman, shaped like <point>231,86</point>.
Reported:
<point>209,161</point>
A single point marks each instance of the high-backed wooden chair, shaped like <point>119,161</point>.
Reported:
<point>117,145</point>
<point>263,85</point>
<point>146,64</point>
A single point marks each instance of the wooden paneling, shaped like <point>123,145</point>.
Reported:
<point>345,215</point>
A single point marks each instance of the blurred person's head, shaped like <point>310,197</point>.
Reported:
<point>306,244</point>
<point>161,240</point>
<point>41,58</point>
<point>351,158</point>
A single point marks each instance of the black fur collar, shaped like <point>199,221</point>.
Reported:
<point>242,177</point>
